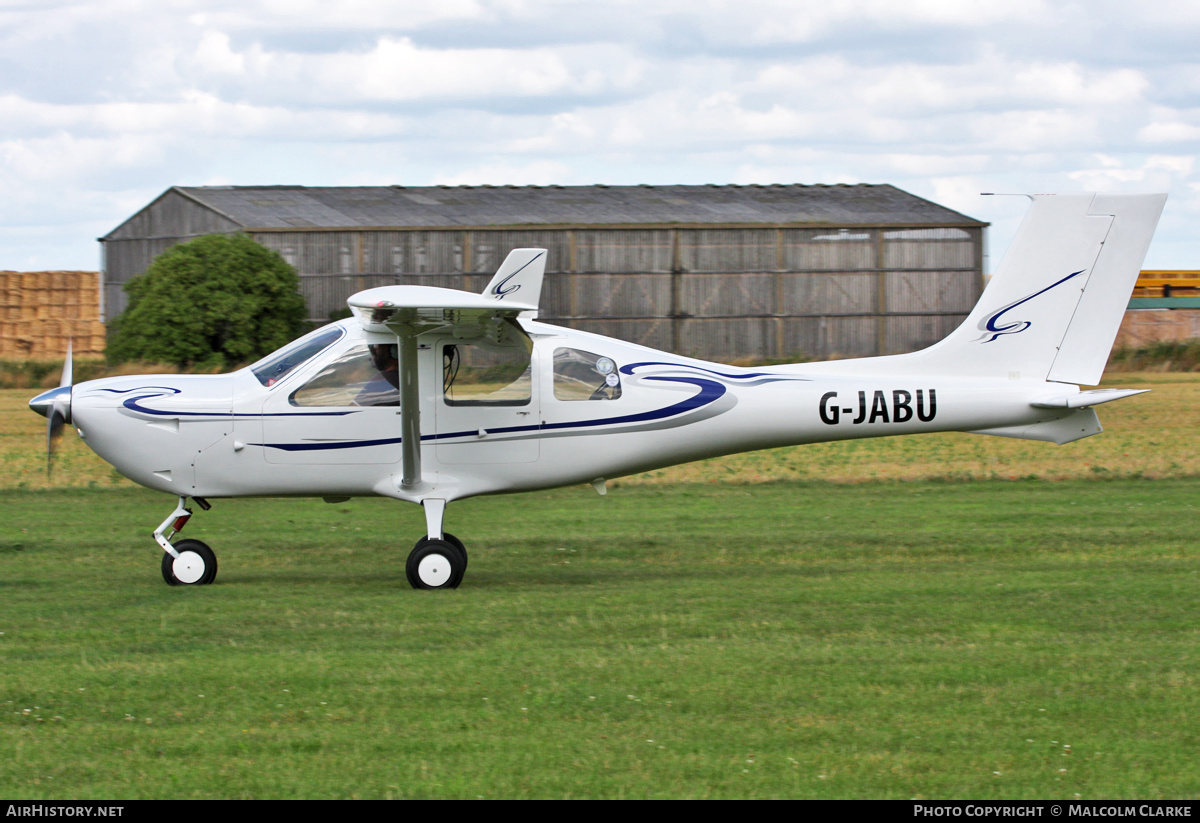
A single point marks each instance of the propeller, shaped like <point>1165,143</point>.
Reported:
<point>55,406</point>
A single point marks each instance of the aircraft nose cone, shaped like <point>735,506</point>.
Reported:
<point>47,400</point>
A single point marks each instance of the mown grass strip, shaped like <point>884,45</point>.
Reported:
<point>981,640</point>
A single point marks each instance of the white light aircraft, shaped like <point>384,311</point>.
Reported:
<point>431,395</point>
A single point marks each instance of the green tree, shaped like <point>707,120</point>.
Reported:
<point>214,301</point>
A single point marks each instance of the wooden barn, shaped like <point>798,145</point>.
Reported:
<point>720,272</point>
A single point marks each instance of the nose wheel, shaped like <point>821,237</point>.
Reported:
<point>186,562</point>
<point>196,564</point>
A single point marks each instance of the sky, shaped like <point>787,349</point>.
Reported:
<point>105,105</point>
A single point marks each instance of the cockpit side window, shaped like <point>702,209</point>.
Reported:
<point>583,375</point>
<point>274,367</point>
<point>366,375</point>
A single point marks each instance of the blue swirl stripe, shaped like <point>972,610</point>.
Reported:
<point>134,404</point>
<point>709,392</point>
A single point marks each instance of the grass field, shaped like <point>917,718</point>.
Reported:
<point>791,638</point>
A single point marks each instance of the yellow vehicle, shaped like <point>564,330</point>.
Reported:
<point>1161,283</point>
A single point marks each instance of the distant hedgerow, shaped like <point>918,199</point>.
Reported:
<point>1165,355</point>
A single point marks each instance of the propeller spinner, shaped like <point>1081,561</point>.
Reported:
<point>55,406</point>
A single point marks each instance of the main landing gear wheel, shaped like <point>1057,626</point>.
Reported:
<point>435,564</point>
<point>453,541</point>
<point>195,566</point>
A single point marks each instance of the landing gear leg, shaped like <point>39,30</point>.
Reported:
<point>435,511</point>
<point>439,559</point>
<point>188,562</point>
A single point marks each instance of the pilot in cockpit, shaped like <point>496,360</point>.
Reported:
<point>384,388</point>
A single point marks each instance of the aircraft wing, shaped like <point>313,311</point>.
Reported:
<point>515,289</point>
<point>418,309</point>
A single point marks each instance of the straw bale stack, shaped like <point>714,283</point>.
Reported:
<point>40,311</point>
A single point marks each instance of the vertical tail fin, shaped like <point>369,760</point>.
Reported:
<point>520,275</point>
<point>1055,304</point>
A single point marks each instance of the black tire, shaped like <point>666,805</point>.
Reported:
<point>207,556</point>
<point>434,564</point>
<point>167,571</point>
<point>453,541</point>
<point>458,544</point>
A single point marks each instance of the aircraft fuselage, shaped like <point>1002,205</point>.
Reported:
<point>231,436</point>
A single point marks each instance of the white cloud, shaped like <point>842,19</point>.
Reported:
<point>234,15</point>
<point>1036,130</point>
<point>987,82</point>
<point>537,173</point>
<point>398,70</point>
<point>933,165</point>
<point>1168,133</point>
<point>105,104</point>
<point>960,193</point>
<point>1157,171</point>
<point>215,55</point>
<point>193,114</point>
<point>1071,84</point>
<point>562,131</point>
<point>1181,165</point>
<point>807,21</point>
<point>64,159</point>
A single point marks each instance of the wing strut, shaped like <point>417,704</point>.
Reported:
<point>410,411</point>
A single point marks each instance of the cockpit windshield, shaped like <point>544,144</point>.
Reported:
<point>274,367</point>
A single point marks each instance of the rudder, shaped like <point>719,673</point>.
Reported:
<point>1085,347</point>
<point>1054,306</point>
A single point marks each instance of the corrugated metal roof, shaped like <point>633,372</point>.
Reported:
<point>290,207</point>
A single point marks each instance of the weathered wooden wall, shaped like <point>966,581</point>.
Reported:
<point>724,293</point>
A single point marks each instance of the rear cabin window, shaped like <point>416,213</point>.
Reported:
<point>484,375</point>
<point>584,375</point>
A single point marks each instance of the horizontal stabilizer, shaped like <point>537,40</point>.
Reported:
<point>1075,426</point>
<point>1083,399</point>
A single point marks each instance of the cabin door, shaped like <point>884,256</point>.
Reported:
<point>488,409</point>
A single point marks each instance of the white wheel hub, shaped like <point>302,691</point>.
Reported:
<point>188,567</point>
<point>434,570</point>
